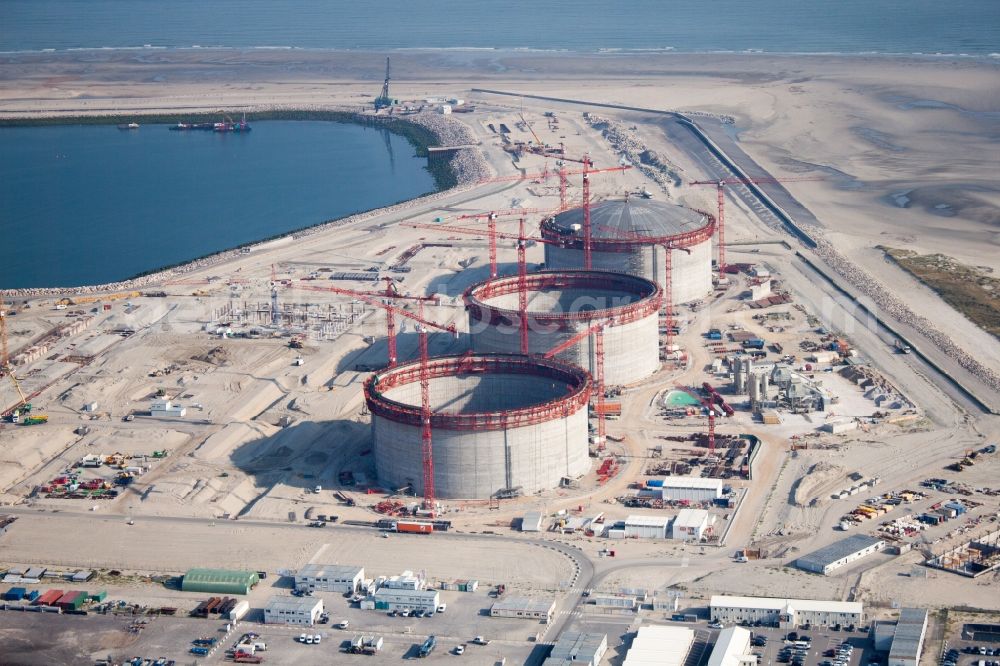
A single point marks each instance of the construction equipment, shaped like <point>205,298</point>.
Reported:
<point>709,404</point>
<point>383,101</point>
<point>426,439</point>
<point>597,330</point>
<point>6,369</point>
<point>376,299</point>
<point>522,266</point>
<point>720,186</point>
<point>491,230</point>
<point>563,172</point>
<point>538,142</point>
<point>681,244</point>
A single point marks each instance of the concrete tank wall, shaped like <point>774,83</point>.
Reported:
<point>692,273</point>
<point>477,464</point>
<point>631,351</point>
<point>509,450</point>
<point>562,304</point>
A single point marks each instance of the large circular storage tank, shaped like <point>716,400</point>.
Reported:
<point>617,225</point>
<point>562,304</point>
<point>498,422</point>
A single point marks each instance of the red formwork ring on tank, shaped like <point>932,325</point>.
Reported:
<point>626,244</point>
<point>649,293</point>
<point>574,381</point>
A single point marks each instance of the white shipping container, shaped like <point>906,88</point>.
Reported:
<point>239,611</point>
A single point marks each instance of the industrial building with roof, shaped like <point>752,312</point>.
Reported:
<point>839,554</point>
<point>575,647</point>
<point>908,638</point>
<point>219,581</point>
<point>398,599</point>
<point>656,645</point>
<point>329,578</point>
<point>681,488</point>
<point>501,424</point>
<point>646,527</point>
<point>560,305</point>
<point>691,525</point>
<point>629,235</point>
<point>786,613</point>
<point>732,648</point>
<point>293,610</point>
<point>523,607</point>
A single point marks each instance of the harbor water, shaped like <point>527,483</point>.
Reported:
<point>91,204</point>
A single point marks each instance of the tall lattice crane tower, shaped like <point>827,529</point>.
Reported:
<point>383,101</point>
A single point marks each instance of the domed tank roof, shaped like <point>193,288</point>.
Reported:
<point>622,219</point>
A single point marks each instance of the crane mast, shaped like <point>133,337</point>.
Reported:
<point>426,437</point>
<point>720,188</point>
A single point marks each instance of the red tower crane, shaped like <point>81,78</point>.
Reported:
<point>720,186</point>
<point>668,246</point>
<point>522,265</point>
<point>597,330</point>
<point>522,287</point>
<point>587,170</point>
<point>709,403</point>
<point>426,439</point>
<point>491,229</point>
<point>375,298</point>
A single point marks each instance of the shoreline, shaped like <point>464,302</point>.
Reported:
<point>508,50</point>
<point>456,174</point>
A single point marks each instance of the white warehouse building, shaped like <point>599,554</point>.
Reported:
<point>657,645</point>
<point>523,607</point>
<point>732,648</point>
<point>330,578</point>
<point>165,408</point>
<point>786,613</point>
<point>691,525</point>
<point>646,527</point>
<point>908,639</point>
<point>840,553</point>
<point>691,490</point>
<point>293,610</point>
<point>576,648</point>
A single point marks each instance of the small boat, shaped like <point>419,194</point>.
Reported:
<point>128,126</point>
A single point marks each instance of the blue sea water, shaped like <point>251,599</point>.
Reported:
<point>775,26</point>
<point>90,204</point>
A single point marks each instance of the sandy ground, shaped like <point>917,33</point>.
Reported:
<point>869,126</point>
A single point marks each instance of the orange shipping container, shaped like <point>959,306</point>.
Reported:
<point>413,527</point>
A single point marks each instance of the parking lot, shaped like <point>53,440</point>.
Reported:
<point>466,617</point>
<point>971,654</point>
<point>815,646</point>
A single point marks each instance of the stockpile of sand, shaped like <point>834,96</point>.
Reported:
<point>811,489</point>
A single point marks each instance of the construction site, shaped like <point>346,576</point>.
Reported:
<point>571,335</point>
